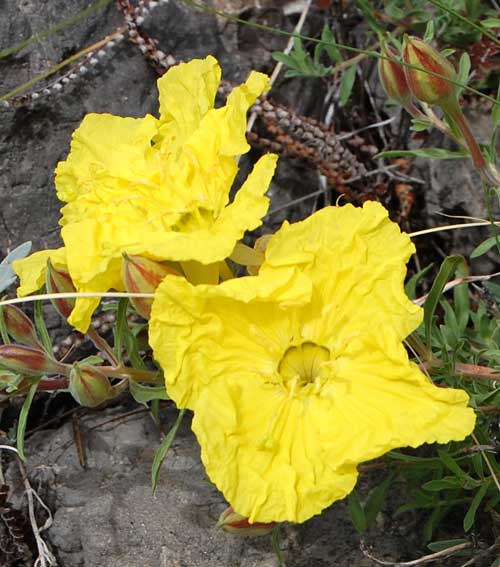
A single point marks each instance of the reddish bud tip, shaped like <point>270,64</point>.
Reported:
<point>234,523</point>
<point>88,386</point>
<point>392,76</point>
<point>429,88</point>
<point>20,327</point>
<point>141,275</point>
<point>59,281</point>
<point>29,360</point>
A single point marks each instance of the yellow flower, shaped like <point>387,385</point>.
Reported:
<point>159,188</point>
<point>290,393</point>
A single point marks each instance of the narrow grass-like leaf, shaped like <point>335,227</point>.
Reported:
<point>430,153</point>
<point>120,327</point>
<point>448,483</point>
<point>484,247</point>
<point>369,13</point>
<point>4,335</point>
<point>411,285</point>
<point>163,449</point>
<point>375,501</point>
<point>429,31</point>
<point>346,85</point>
<point>276,540</point>
<point>451,464</point>
<point>357,513</point>
<point>464,67</point>
<point>143,394</point>
<point>461,300</point>
<point>447,268</point>
<point>23,418</point>
<point>445,544</point>
<point>41,328</point>
<point>329,44</point>
<point>476,502</point>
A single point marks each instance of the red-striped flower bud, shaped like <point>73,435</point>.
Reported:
<point>88,386</point>
<point>141,275</point>
<point>392,76</point>
<point>20,327</point>
<point>29,360</point>
<point>235,523</point>
<point>432,88</point>
<point>58,280</point>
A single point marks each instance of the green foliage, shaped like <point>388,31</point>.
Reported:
<point>162,451</point>
<point>7,275</point>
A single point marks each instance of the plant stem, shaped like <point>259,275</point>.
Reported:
<point>455,113</point>
<point>136,374</point>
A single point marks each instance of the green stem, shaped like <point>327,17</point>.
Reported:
<point>101,344</point>
<point>456,114</point>
<point>151,376</point>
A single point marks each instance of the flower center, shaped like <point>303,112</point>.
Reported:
<point>302,364</point>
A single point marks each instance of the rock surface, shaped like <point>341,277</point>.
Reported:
<point>106,516</point>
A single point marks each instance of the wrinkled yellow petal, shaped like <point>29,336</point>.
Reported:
<point>186,93</point>
<point>216,242</point>
<point>290,394</point>
<point>178,305</point>
<point>106,151</point>
<point>357,259</point>
<point>268,454</point>
<point>32,269</point>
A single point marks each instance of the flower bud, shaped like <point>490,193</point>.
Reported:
<point>29,360</point>
<point>428,87</point>
<point>141,275</point>
<point>392,76</point>
<point>88,386</point>
<point>234,523</point>
<point>59,281</point>
<point>20,327</point>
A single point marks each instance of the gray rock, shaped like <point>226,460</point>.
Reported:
<point>106,515</point>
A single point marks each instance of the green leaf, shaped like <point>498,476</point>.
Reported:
<point>461,300</point>
<point>163,449</point>
<point>484,247</point>
<point>369,14</point>
<point>375,501</point>
<point>429,32</point>
<point>447,268</point>
<point>491,23</point>
<point>329,44</point>
<point>464,67</point>
<point>447,52</point>
<point>143,394</point>
<point>124,338</point>
<point>7,274</point>
<point>495,114</point>
<point>346,85</point>
<point>411,285</point>
<point>41,328</point>
<point>92,360</point>
<point>23,418</point>
<point>447,483</point>
<point>445,544</point>
<point>431,153</point>
<point>420,124</point>
<point>451,464</point>
<point>9,381</point>
<point>357,513</point>
<point>276,541</point>
<point>476,502</point>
